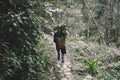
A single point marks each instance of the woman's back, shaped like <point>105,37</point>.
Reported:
<point>61,43</point>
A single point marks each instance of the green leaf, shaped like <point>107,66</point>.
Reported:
<point>15,24</point>
<point>9,71</point>
<point>10,29</point>
<point>10,1</point>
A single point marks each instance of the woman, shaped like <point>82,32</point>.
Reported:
<point>60,45</point>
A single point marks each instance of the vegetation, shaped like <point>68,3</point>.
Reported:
<point>84,60</point>
<point>93,38</point>
<point>21,47</point>
<point>92,66</point>
<point>101,18</point>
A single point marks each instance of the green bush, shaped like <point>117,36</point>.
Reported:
<point>20,56</point>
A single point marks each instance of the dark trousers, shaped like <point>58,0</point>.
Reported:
<point>63,51</point>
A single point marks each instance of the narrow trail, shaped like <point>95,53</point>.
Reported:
<point>65,68</point>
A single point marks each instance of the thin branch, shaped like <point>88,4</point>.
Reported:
<point>90,13</point>
<point>95,22</point>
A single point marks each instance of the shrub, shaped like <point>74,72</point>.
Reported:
<point>20,56</point>
<point>92,66</point>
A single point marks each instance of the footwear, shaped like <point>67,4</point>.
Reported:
<point>62,61</point>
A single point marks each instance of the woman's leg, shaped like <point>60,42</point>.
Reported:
<point>58,52</point>
<point>62,57</point>
<point>63,51</point>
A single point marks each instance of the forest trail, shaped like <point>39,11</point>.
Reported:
<point>65,68</point>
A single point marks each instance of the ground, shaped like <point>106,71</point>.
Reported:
<point>74,67</point>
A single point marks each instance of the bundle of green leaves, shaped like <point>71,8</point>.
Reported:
<point>61,30</point>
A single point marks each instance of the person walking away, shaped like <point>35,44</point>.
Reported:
<point>60,46</point>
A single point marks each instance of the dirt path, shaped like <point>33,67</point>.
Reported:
<point>65,68</point>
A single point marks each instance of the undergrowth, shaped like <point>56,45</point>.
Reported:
<point>53,68</point>
<point>108,61</point>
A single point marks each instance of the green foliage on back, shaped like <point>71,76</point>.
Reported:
<point>61,30</point>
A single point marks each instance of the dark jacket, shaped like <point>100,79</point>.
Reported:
<point>55,37</point>
<point>60,42</point>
